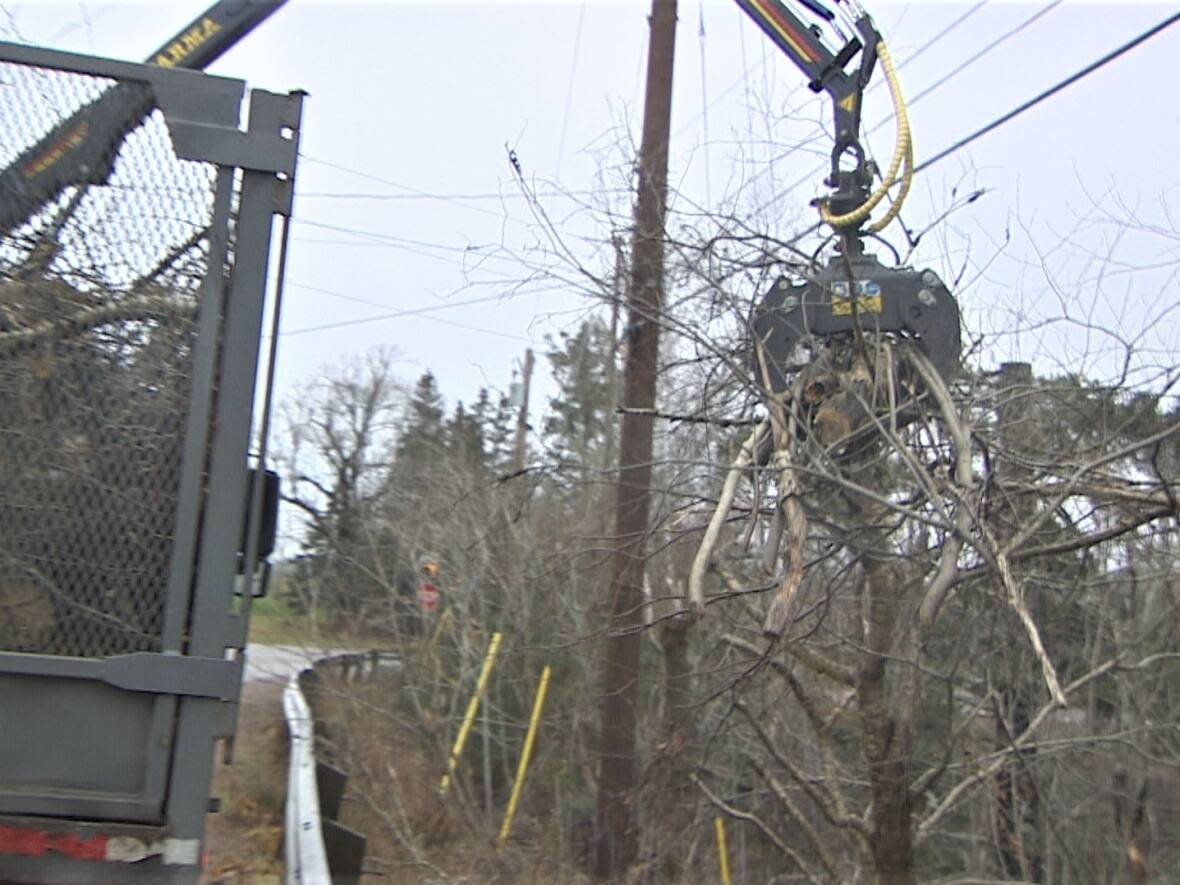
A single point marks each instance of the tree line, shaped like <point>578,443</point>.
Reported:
<point>939,635</point>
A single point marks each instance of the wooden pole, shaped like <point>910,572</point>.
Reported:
<point>615,839</point>
<point>519,448</point>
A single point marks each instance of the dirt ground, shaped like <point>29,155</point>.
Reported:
<point>243,839</point>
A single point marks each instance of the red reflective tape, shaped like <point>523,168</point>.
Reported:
<point>794,39</point>
<point>34,843</point>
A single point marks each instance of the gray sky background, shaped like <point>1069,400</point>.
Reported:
<point>407,203</point>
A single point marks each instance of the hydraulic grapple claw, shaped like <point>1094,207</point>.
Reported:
<point>906,303</point>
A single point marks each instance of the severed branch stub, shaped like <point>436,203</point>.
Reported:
<point>700,563</point>
<point>936,592</point>
<point>778,615</point>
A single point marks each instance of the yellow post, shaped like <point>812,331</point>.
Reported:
<point>525,754</point>
<point>722,851</point>
<point>472,707</point>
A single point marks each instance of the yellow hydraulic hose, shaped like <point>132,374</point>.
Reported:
<point>907,168</point>
<point>903,160</point>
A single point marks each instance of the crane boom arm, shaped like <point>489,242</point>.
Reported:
<point>81,149</point>
<point>826,72</point>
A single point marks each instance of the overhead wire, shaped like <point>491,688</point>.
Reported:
<point>569,92</point>
<point>972,59</point>
<point>390,238</point>
<point>747,67</point>
<point>704,102</point>
<point>410,191</point>
<point>435,319</point>
<point>451,197</point>
<point>1029,104</point>
<point>1052,90</point>
<point>392,315</point>
<point>958,145</point>
<point>469,257</point>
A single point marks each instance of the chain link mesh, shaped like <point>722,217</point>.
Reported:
<point>99,291</point>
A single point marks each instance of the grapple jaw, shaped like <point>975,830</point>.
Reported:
<point>905,303</point>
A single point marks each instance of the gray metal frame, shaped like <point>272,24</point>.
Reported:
<point>188,689</point>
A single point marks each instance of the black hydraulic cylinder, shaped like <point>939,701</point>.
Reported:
<point>81,149</point>
<point>211,34</point>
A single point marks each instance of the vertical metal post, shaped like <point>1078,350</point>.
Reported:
<point>465,729</point>
<point>526,754</point>
<point>200,722</point>
<point>722,849</point>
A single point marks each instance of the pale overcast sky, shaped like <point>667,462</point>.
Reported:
<point>407,201</point>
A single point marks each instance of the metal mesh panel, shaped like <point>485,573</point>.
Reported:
<point>98,308</point>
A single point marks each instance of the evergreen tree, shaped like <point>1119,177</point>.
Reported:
<point>481,414</point>
<point>423,437</point>
<point>464,438</point>
<point>580,420</point>
<point>497,433</point>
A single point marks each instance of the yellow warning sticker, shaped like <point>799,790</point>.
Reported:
<point>842,307</point>
<point>848,102</point>
<point>868,298</point>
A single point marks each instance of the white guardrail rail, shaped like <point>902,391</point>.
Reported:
<point>306,831</point>
<point>303,834</point>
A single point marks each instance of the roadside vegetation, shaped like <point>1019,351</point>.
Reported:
<point>896,624</point>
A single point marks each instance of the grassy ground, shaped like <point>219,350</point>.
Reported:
<point>243,838</point>
<point>273,622</point>
<point>415,835</point>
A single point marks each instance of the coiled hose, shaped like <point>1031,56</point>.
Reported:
<point>903,162</point>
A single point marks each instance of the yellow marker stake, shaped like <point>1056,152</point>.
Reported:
<point>722,852</point>
<point>525,754</point>
<point>472,707</point>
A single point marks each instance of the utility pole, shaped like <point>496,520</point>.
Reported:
<point>615,838</point>
<point>522,417</point>
<point>618,289</point>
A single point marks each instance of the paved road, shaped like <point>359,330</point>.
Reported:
<point>276,663</point>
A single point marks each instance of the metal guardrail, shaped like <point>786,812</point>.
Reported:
<point>317,849</point>
<point>306,859</point>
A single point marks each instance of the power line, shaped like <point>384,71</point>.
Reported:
<point>472,197</point>
<point>413,311</point>
<point>1051,91</point>
<point>413,193</point>
<point>705,102</point>
<point>748,67</point>
<point>1032,102</point>
<point>434,319</point>
<point>467,258</point>
<point>419,311</point>
<point>410,191</point>
<point>391,239</point>
<point>569,92</point>
<point>966,63</point>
